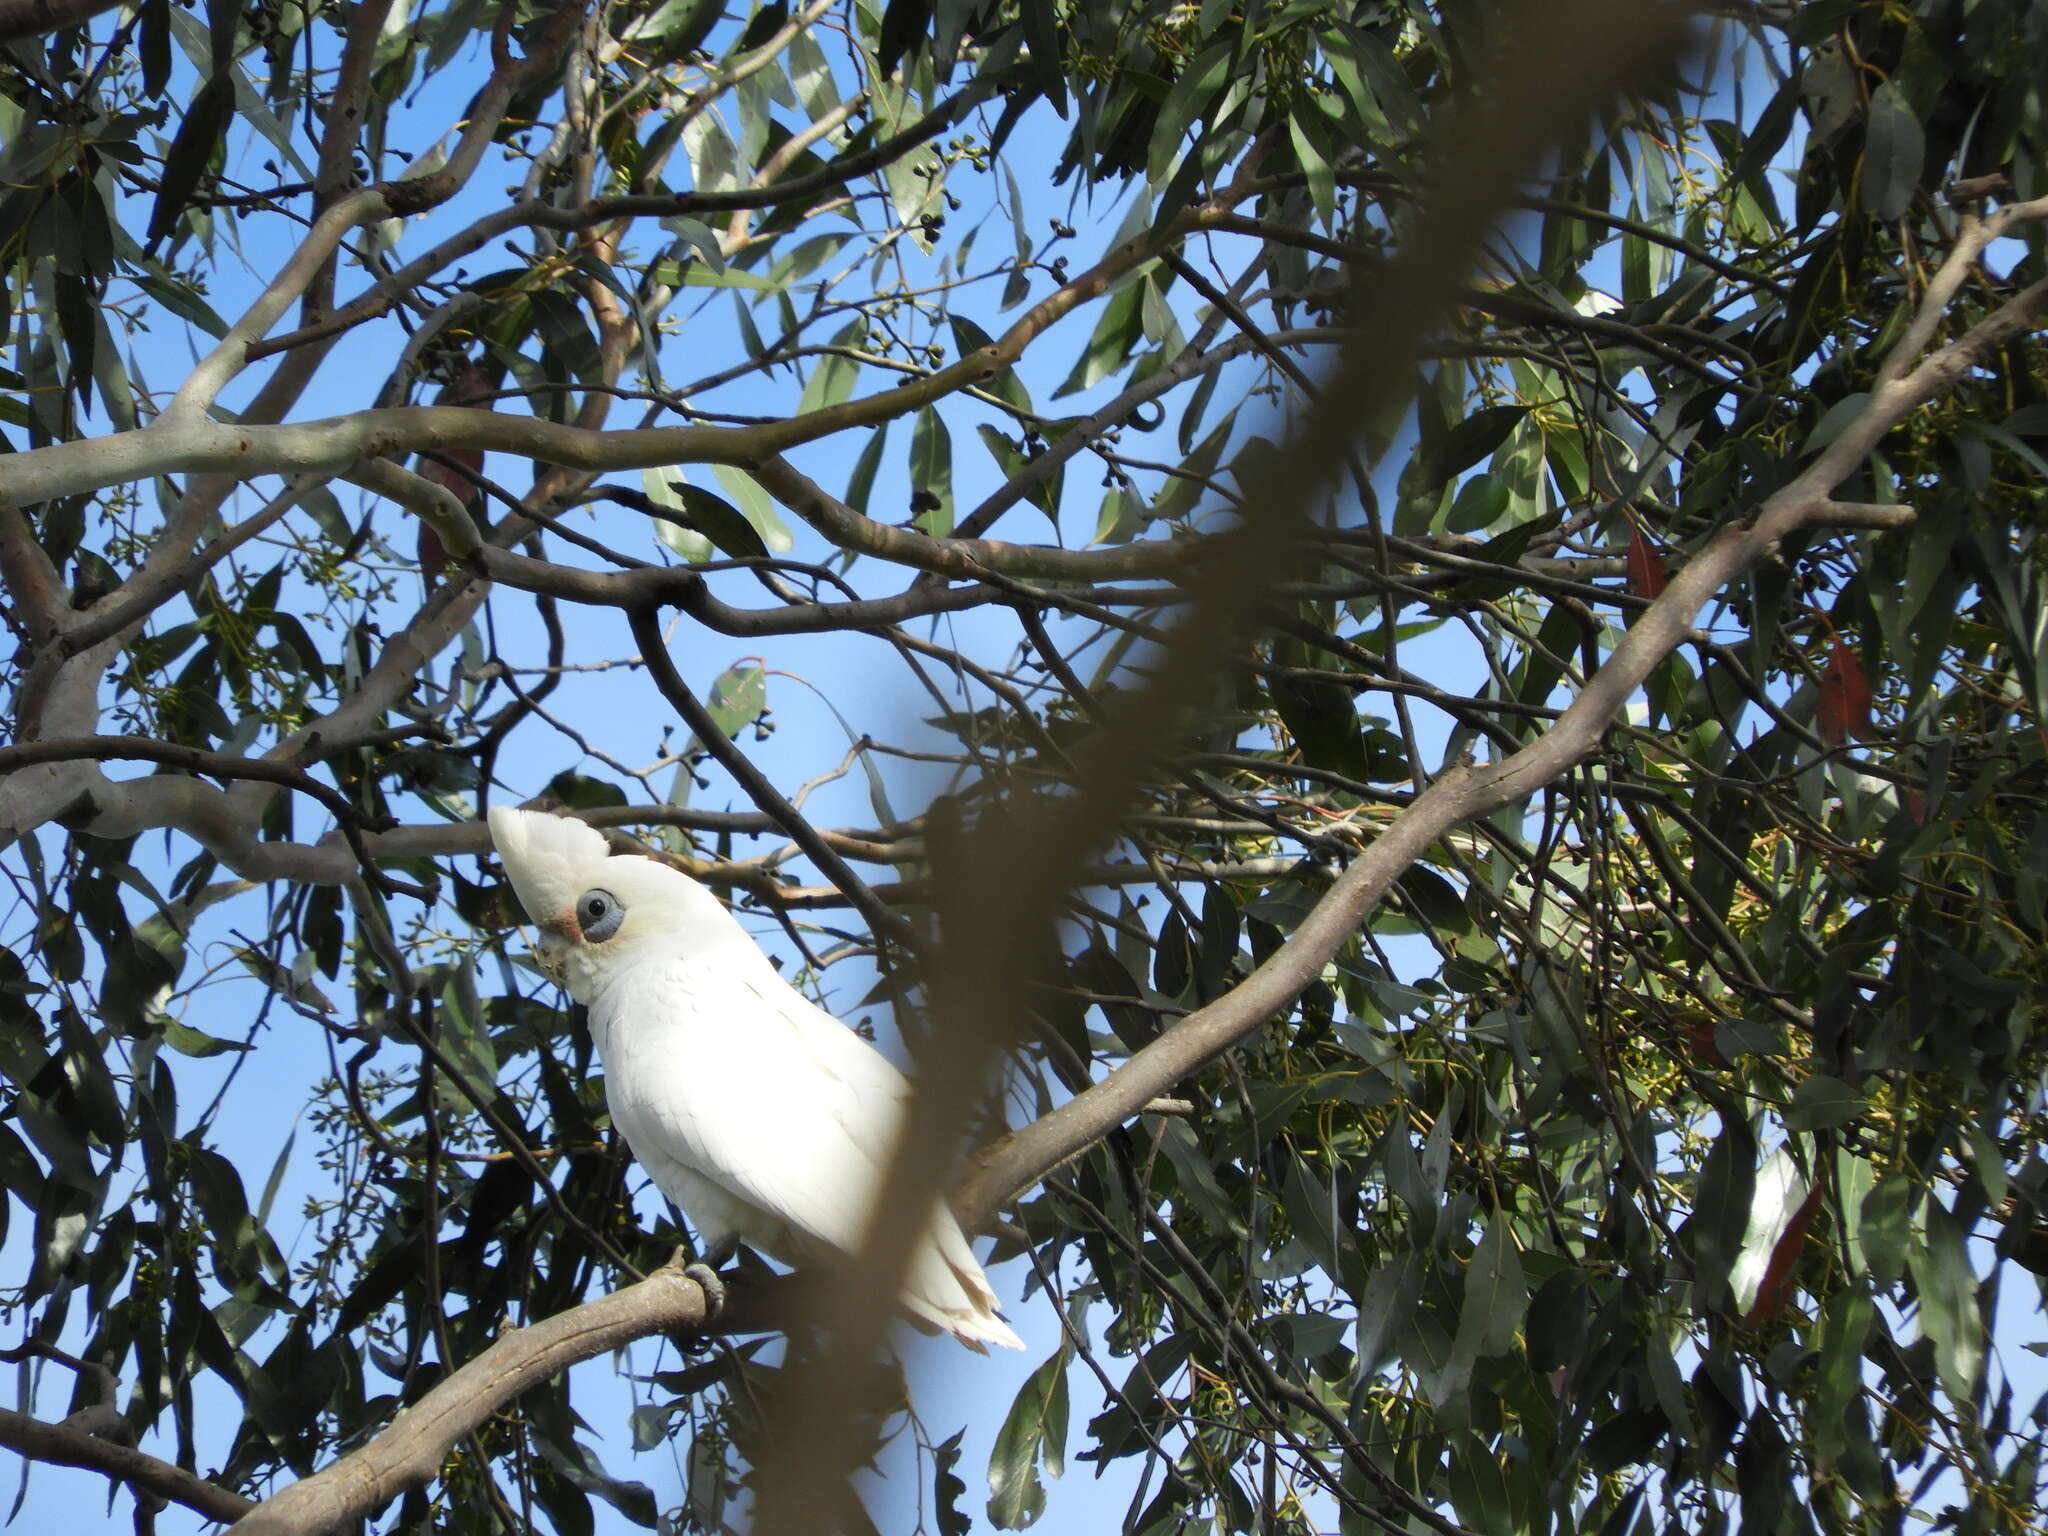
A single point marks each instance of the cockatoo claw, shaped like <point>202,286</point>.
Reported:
<point>713,1288</point>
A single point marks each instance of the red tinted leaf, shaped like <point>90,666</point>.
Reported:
<point>1776,1287</point>
<point>461,484</point>
<point>433,557</point>
<point>1706,1048</point>
<point>466,385</point>
<point>1844,710</point>
<point>1646,574</point>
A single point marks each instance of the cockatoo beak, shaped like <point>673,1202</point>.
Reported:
<point>551,954</point>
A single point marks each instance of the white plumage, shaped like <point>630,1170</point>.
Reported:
<point>757,1112</point>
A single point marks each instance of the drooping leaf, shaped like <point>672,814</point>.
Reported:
<point>1942,1274</point>
<point>1033,1433</point>
<point>1844,711</point>
<point>1646,575</point>
<point>1895,148</point>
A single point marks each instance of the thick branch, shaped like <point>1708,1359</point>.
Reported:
<point>1002,883</point>
<point>140,749</point>
<point>65,1445</point>
<point>412,1449</point>
<point>688,590</point>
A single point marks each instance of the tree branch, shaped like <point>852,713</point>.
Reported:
<point>1020,1160</point>
<point>411,1450</point>
<point>68,1446</point>
<point>183,439</point>
<point>654,651</point>
<point>33,18</point>
<point>540,214</point>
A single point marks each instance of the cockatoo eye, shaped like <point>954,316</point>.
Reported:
<point>598,914</point>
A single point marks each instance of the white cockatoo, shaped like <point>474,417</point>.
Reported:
<point>759,1114</point>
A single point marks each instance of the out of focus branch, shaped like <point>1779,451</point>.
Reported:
<point>1001,884</point>
<point>32,18</point>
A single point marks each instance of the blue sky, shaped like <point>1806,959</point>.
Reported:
<point>613,709</point>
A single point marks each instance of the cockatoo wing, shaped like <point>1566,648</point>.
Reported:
<point>761,1114</point>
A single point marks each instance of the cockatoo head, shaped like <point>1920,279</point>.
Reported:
<point>598,912</point>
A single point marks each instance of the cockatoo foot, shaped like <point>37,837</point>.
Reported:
<point>712,1287</point>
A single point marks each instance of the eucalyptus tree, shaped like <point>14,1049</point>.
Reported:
<point>1470,859</point>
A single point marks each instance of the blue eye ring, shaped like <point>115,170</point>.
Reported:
<point>599,914</point>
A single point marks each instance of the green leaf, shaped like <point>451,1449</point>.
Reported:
<point>1894,150</point>
<point>1820,1102</point>
<point>1838,1378</point>
<point>931,473</point>
<point>678,26</point>
<point>1109,346</point>
<point>580,792</point>
<point>579,1465</point>
<point>665,487</point>
<point>700,237</point>
<point>1042,28</point>
<point>833,378</point>
<point>1004,384</point>
<point>1481,501</point>
<point>810,72</point>
<point>1834,421</point>
<point>1121,519</point>
<point>757,507</point>
<point>200,136</point>
<point>721,522</point>
<point>1437,903</point>
<point>1193,93</point>
<point>1940,1264</point>
<point>1311,1212</point>
<point>1035,1427</point>
<point>465,1040</point>
<point>1721,1208</point>
<point>705,524</point>
<point>1478,1488</point>
<point>1366,117</point>
<point>1302,129</point>
<point>738,696</point>
<point>1472,439</point>
<point>1885,1227</point>
<point>187,1041</point>
<point>181,301</point>
<point>1495,1297</point>
<point>860,485</point>
<point>563,325</point>
<point>229,1227</point>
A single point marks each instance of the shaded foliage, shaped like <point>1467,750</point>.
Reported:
<point>1658,1155</point>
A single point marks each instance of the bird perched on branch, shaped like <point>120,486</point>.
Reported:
<point>759,1114</point>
